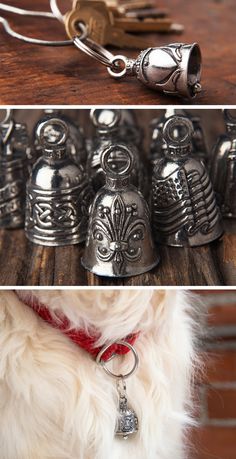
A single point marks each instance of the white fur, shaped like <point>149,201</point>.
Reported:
<point>56,403</point>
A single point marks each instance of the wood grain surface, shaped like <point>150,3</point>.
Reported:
<point>31,74</point>
<point>23,263</point>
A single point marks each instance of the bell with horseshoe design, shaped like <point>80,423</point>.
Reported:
<point>58,192</point>
<point>119,241</point>
<point>184,208</point>
<point>223,170</point>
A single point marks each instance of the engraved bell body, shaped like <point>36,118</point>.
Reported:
<point>58,192</point>
<point>13,174</point>
<point>127,423</point>
<point>184,208</point>
<point>223,171</point>
<point>119,241</point>
<point>173,69</point>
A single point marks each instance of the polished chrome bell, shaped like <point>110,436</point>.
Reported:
<point>223,171</point>
<point>58,192</point>
<point>158,145</point>
<point>111,128</point>
<point>119,241</point>
<point>76,145</point>
<point>184,208</point>
<point>13,175</point>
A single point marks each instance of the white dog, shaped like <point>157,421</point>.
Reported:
<point>56,402</point>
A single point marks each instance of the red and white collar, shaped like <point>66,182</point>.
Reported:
<point>86,341</point>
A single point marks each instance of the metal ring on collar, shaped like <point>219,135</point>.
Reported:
<point>103,363</point>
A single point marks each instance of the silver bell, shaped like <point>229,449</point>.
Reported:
<point>111,129</point>
<point>58,192</point>
<point>119,241</point>
<point>127,421</point>
<point>158,145</point>
<point>224,167</point>
<point>183,202</point>
<point>13,175</point>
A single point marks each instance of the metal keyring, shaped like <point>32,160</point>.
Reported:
<point>55,10</point>
<point>114,61</point>
<point>94,50</point>
<point>103,363</point>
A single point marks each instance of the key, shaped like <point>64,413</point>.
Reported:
<point>100,23</point>
<point>147,13</point>
<point>143,25</point>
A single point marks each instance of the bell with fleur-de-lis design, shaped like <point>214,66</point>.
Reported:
<point>13,173</point>
<point>58,192</point>
<point>119,241</point>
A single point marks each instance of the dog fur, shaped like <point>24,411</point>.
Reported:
<point>57,403</point>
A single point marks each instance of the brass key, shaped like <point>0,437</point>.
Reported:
<point>146,25</point>
<point>100,23</point>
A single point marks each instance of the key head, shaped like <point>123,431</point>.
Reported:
<point>95,15</point>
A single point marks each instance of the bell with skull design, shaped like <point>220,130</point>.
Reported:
<point>184,208</point>
<point>58,192</point>
<point>119,241</point>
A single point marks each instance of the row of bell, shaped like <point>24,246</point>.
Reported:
<point>60,204</point>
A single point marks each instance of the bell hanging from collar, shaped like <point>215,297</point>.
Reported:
<point>111,128</point>
<point>58,192</point>
<point>119,241</point>
<point>223,170</point>
<point>13,174</point>
<point>184,208</point>
<point>158,145</point>
<point>127,422</point>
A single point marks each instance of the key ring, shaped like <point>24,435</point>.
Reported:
<point>7,117</point>
<point>37,41</point>
<point>94,50</point>
<point>56,11</point>
<point>103,363</point>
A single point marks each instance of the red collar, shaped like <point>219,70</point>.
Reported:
<point>85,340</point>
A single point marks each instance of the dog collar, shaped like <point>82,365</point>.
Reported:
<point>86,341</point>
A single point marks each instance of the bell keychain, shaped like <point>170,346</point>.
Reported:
<point>127,423</point>
<point>173,69</point>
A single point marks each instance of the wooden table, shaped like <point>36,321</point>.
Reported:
<point>23,263</point>
<point>32,74</point>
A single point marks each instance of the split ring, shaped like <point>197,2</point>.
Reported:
<point>103,363</point>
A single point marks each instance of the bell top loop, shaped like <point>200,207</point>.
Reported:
<point>177,133</point>
<point>230,121</point>
<point>117,161</point>
<point>52,135</point>
<point>106,121</point>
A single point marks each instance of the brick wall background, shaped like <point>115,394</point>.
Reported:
<point>216,393</point>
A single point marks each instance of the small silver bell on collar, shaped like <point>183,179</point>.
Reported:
<point>158,145</point>
<point>111,129</point>
<point>174,69</point>
<point>183,202</point>
<point>58,192</point>
<point>127,421</point>
<point>224,167</point>
<point>119,241</point>
<point>13,176</point>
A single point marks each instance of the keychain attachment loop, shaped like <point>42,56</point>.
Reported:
<point>103,363</point>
